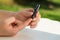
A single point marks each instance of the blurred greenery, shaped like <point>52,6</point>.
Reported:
<point>49,8</point>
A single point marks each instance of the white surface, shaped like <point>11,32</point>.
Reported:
<point>46,30</point>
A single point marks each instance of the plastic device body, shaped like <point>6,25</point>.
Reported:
<point>35,11</point>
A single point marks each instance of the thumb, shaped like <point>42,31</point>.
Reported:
<point>27,21</point>
<point>24,24</point>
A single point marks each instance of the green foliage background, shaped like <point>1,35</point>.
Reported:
<point>49,8</point>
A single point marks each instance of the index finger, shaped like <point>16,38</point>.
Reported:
<point>29,9</point>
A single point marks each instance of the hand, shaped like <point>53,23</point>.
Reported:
<point>11,26</point>
<point>27,13</point>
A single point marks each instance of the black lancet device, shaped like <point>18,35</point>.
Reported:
<point>35,11</point>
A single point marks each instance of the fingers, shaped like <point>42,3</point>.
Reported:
<point>33,24</point>
<point>24,24</point>
<point>24,16</point>
<point>27,14</point>
<point>29,9</point>
<point>35,21</point>
<point>27,22</point>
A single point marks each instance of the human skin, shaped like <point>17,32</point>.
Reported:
<point>13,22</point>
